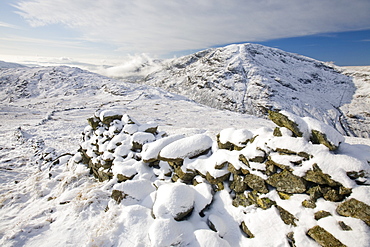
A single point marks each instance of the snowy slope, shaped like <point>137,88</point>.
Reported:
<point>251,78</point>
<point>48,198</point>
<point>9,65</point>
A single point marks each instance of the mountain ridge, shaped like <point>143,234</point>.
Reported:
<point>251,78</point>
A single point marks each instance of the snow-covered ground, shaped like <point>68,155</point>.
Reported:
<point>47,198</point>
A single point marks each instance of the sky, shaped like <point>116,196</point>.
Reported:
<point>110,31</point>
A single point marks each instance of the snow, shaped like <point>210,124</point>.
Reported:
<point>48,198</point>
<point>151,150</point>
<point>186,147</point>
<point>237,137</point>
<point>173,199</point>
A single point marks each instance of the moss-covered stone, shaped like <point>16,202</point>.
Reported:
<point>277,132</point>
<point>256,183</point>
<point>356,209</point>
<point>241,200</point>
<point>287,182</point>
<point>309,204</point>
<point>320,138</point>
<point>286,216</point>
<point>187,175</point>
<point>217,180</point>
<point>284,196</point>
<point>263,202</point>
<point>123,178</point>
<point>245,229</point>
<point>118,196</point>
<point>238,184</point>
<point>93,122</point>
<point>323,237</point>
<point>331,194</point>
<point>283,121</point>
<point>317,176</point>
<point>321,214</point>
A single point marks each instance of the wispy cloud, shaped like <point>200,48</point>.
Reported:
<point>8,25</point>
<point>164,26</point>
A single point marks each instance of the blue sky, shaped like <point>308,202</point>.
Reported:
<point>106,31</point>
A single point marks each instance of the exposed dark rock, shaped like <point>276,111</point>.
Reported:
<point>283,121</point>
<point>263,202</point>
<point>118,196</point>
<point>317,176</point>
<point>123,178</point>
<point>286,216</point>
<point>321,214</point>
<point>286,181</point>
<point>320,138</point>
<point>356,209</point>
<point>344,226</point>
<point>238,184</point>
<point>323,237</point>
<point>217,180</point>
<point>245,229</point>
<point>309,204</point>
<point>256,183</point>
<point>241,200</point>
<point>277,132</point>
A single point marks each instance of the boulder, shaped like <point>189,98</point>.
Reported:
<point>356,209</point>
<point>323,237</point>
<point>256,183</point>
<point>284,121</point>
<point>188,147</point>
<point>107,116</point>
<point>286,216</point>
<point>321,214</point>
<point>287,182</point>
<point>317,176</point>
<point>245,230</point>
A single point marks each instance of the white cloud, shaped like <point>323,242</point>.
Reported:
<point>163,26</point>
<point>7,25</point>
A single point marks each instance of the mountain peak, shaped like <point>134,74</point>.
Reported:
<point>252,78</point>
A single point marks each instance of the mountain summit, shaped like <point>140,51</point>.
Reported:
<point>253,79</point>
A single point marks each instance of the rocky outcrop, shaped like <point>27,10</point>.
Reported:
<point>257,169</point>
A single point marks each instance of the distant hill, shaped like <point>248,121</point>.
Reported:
<point>10,65</point>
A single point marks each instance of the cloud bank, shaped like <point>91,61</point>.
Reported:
<point>159,27</point>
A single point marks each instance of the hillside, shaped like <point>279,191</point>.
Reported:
<point>91,161</point>
<point>251,78</point>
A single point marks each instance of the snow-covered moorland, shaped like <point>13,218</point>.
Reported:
<point>151,168</point>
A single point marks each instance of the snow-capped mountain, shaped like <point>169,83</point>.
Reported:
<point>251,78</point>
<point>86,160</point>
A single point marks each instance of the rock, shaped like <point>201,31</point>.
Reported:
<point>122,178</point>
<point>118,196</point>
<point>151,150</point>
<point>315,193</point>
<point>263,202</point>
<point>284,196</point>
<point>356,209</point>
<point>217,180</point>
<point>238,184</point>
<point>256,183</point>
<point>107,116</point>
<point>233,139</point>
<point>188,147</point>
<point>93,122</point>
<point>344,226</point>
<point>138,139</point>
<point>287,217</point>
<point>283,121</point>
<point>331,194</point>
<point>291,240</point>
<point>320,138</point>
<point>187,176</point>
<point>309,204</point>
<point>241,200</point>
<point>245,229</point>
<point>323,237</point>
<point>277,132</point>
<point>287,182</point>
<point>174,200</point>
<point>317,176</point>
<point>321,214</point>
